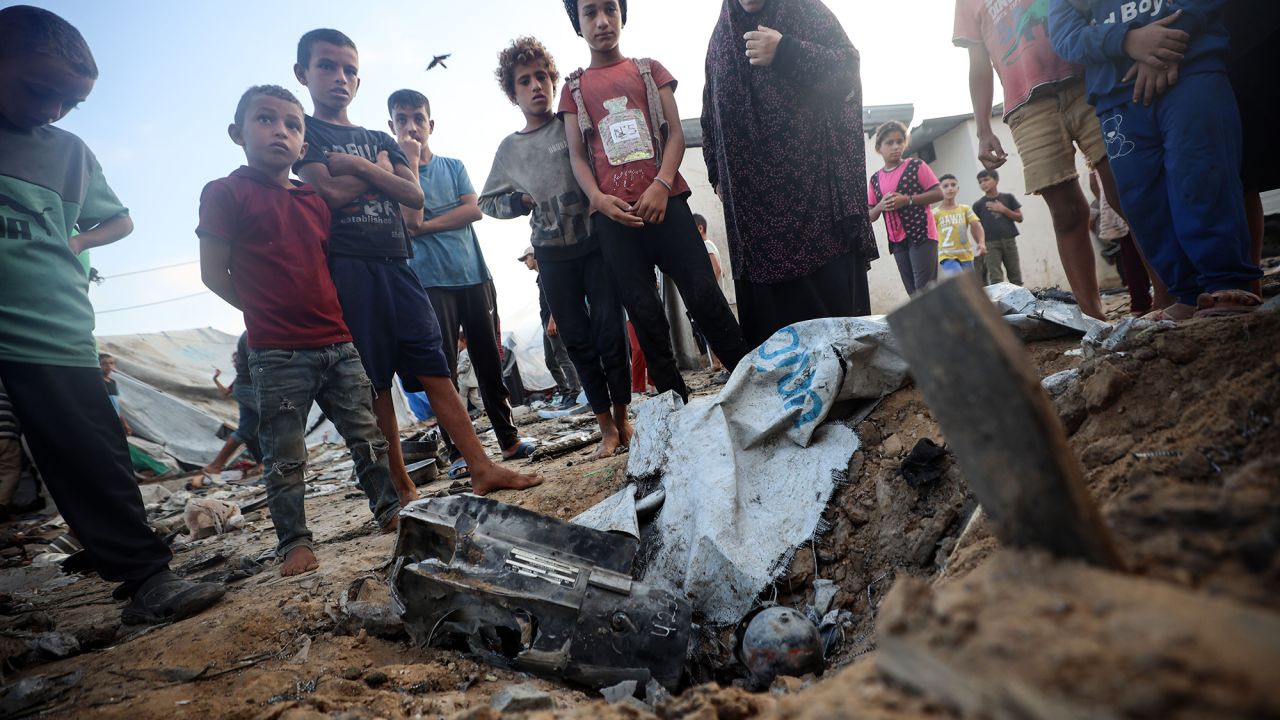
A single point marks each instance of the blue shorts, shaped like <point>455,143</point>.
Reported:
<point>392,323</point>
<point>951,266</point>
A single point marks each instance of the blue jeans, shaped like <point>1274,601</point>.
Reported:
<point>286,383</point>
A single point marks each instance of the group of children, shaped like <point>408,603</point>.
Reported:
<point>950,238</point>
<point>1142,89</point>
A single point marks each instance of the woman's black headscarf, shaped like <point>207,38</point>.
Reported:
<point>784,143</point>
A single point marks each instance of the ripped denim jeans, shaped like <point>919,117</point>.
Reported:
<point>286,383</point>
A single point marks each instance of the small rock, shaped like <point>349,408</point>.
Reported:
<point>784,684</point>
<point>352,673</point>
<point>616,693</point>
<point>1104,386</point>
<point>521,698</point>
<point>1107,450</point>
<point>375,679</point>
<point>892,446</point>
<point>53,646</point>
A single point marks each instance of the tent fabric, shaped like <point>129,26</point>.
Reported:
<point>168,396</point>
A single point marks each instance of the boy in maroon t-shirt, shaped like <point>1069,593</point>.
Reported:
<point>626,154</point>
<point>263,240</point>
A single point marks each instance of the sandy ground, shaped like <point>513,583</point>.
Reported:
<point>1196,520</point>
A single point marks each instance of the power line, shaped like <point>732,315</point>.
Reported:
<point>147,270</point>
<point>157,302</point>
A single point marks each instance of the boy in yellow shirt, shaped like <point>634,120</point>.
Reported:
<point>955,223</point>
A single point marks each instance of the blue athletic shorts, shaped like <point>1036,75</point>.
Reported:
<point>951,266</point>
<point>392,323</point>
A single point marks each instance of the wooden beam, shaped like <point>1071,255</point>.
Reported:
<point>982,389</point>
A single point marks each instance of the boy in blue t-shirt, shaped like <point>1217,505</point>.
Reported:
<point>364,176</point>
<point>50,185</point>
<point>1157,78</point>
<point>450,267</point>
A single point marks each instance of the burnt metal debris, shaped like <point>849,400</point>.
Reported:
<point>527,591</point>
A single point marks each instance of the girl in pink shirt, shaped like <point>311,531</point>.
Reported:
<point>902,192</point>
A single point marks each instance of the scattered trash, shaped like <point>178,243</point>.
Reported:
<point>34,694</point>
<point>925,463</point>
<point>615,694</point>
<point>1029,328</point>
<point>522,697</point>
<point>208,516</point>
<point>1057,383</point>
<point>1010,299</point>
<point>154,494</point>
<point>780,641</point>
<point>1150,454</point>
<point>528,591</point>
<point>566,444</point>
<point>1110,338</point>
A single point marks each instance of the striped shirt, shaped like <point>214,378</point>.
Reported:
<point>8,421</point>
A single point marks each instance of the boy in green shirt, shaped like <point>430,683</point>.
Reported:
<point>50,185</point>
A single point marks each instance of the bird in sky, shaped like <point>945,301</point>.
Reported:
<point>439,60</point>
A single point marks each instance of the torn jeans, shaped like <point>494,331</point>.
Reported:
<point>286,383</point>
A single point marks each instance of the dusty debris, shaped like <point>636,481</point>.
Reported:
<point>996,645</point>
<point>521,698</point>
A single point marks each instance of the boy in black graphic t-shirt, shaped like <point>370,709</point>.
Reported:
<point>364,176</point>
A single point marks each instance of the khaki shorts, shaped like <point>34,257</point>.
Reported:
<point>1044,130</point>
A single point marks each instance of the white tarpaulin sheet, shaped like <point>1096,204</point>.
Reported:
<point>748,473</point>
<point>168,396</point>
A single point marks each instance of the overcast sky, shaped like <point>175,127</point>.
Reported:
<point>171,73</point>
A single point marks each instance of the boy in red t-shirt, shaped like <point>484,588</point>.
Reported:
<point>625,150</point>
<point>263,244</point>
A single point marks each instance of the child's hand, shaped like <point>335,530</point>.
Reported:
<point>982,248</point>
<point>344,163</point>
<point>895,201</point>
<point>552,330</point>
<point>1157,44</point>
<point>762,45</point>
<point>652,205</point>
<point>997,206</point>
<point>1150,82</point>
<point>410,147</point>
<point>384,162</point>
<point>616,209</point>
<point>990,152</point>
<point>527,200</point>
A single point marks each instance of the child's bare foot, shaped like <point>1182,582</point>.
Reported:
<point>489,477</point>
<point>392,525</point>
<point>1176,312</point>
<point>622,421</point>
<point>298,561</point>
<point>609,437</point>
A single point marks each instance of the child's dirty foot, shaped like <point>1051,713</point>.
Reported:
<point>391,526</point>
<point>492,477</point>
<point>623,422</point>
<point>610,440</point>
<point>298,561</point>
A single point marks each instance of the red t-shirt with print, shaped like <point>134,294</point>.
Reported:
<point>621,138</point>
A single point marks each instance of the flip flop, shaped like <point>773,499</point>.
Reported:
<point>524,450</point>
<point>1224,303</point>
<point>459,469</point>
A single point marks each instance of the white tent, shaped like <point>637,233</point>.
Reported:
<point>168,396</point>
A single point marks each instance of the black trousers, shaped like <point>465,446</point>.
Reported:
<point>78,443</point>
<point>675,248</point>
<point>589,316</point>
<point>837,289</point>
<point>474,310</point>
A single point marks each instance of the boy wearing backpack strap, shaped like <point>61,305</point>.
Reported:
<point>625,156</point>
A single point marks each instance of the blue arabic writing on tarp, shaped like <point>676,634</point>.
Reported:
<point>784,350</point>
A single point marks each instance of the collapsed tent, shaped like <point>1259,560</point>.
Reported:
<point>748,473</point>
<point>168,396</point>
